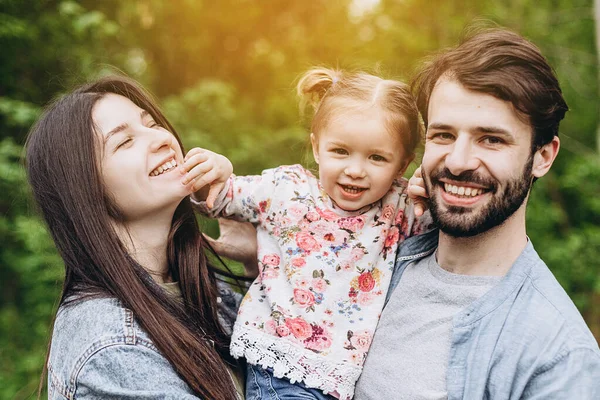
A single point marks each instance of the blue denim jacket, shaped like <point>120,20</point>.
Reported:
<point>99,351</point>
<point>524,339</point>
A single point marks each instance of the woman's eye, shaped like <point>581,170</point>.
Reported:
<point>124,142</point>
<point>155,125</point>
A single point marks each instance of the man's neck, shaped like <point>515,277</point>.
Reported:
<point>146,241</point>
<point>491,253</point>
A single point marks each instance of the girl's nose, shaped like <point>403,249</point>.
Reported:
<point>355,171</point>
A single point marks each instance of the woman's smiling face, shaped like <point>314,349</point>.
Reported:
<point>138,159</point>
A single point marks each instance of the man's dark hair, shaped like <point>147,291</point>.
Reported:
<point>505,65</point>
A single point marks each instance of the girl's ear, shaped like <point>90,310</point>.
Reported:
<point>544,157</point>
<point>315,147</point>
<point>404,165</point>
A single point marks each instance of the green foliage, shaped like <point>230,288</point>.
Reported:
<point>225,73</point>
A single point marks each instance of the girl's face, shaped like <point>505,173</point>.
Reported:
<point>358,159</point>
<point>138,158</point>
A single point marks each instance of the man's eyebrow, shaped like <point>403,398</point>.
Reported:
<point>440,126</point>
<point>493,129</point>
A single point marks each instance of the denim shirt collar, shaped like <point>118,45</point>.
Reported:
<point>420,246</point>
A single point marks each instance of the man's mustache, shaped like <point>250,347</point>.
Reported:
<point>466,177</point>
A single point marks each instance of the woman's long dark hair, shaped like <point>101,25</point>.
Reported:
<point>64,172</point>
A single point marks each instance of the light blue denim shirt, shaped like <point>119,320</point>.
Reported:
<point>524,339</point>
<point>99,351</point>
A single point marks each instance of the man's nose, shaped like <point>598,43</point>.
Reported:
<point>461,157</point>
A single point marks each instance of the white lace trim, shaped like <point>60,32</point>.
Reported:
<point>294,362</point>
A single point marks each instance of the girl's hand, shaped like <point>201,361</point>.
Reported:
<point>417,192</point>
<point>205,174</point>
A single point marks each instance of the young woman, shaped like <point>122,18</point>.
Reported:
<point>141,314</point>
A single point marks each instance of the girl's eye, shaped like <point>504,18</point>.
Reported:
<point>340,151</point>
<point>377,157</point>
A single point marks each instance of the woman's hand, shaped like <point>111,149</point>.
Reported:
<point>206,173</point>
<point>417,192</point>
<point>237,242</point>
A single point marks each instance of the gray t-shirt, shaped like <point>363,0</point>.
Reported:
<point>409,355</point>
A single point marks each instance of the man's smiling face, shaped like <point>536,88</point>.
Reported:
<point>477,163</point>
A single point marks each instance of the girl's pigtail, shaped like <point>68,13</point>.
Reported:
<point>314,85</point>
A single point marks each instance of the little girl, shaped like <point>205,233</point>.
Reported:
<point>326,244</point>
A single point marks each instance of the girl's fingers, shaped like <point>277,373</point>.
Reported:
<point>419,209</point>
<point>417,192</point>
<point>196,172</point>
<point>192,158</point>
<point>213,193</point>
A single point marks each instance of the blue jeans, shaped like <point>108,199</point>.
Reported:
<point>262,385</point>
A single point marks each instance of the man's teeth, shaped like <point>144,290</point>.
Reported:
<point>169,165</point>
<point>462,190</point>
<point>353,189</point>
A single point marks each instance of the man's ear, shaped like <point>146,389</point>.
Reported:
<point>315,147</point>
<point>404,165</point>
<point>544,157</point>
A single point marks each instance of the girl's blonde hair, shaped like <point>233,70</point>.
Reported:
<point>329,91</point>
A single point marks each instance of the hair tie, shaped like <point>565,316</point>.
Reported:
<point>334,80</point>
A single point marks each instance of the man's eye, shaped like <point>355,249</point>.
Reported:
<point>493,140</point>
<point>444,136</point>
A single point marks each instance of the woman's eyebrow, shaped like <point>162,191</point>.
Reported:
<point>115,130</point>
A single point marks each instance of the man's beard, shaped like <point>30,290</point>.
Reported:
<point>460,221</point>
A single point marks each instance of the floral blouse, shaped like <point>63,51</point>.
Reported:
<point>323,275</point>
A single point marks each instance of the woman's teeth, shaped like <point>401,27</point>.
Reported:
<point>169,165</point>
<point>353,189</point>
<point>462,190</point>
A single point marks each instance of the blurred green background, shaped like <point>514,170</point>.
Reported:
<point>225,71</point>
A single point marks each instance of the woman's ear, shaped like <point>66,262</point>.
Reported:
<point>315,147</point>
<point>544,157</point>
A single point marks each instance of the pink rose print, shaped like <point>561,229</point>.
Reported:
<point>302,283</point>
<point>356,254</point>
<point>312,216</point>
<point>299,328</point>
<point>387,213</point>
<point>270,273</point>
<point>352,224</point>
<point>263,205</point>
<point>307,242</point>
<point>297,211</point>
<point>319,340</point>
<point>361,340</point>
<point>392,237</point>
<point>271,259</point>
<point>365,298</point>
<point>399,217</point>
<point>366,282</point>
<point>319,285</point>
<point>327,215</point>
<point>283,330</point>
<point>271,327</point>
<point>304,298</point>
<point>299,262</point>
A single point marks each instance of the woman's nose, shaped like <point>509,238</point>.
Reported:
<point>160,138</point>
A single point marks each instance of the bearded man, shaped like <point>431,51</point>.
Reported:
<point>473,312</point>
